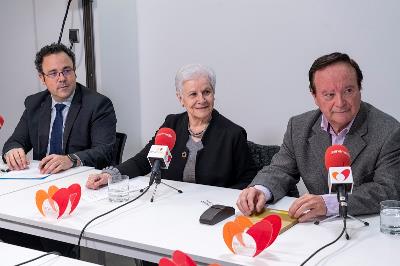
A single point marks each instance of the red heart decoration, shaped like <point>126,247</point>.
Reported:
<point>166,262</point>
<point>62,199</point>
<point>276,223</point>
<point>74,196</point>
<point>181,259</point>
<point>261,233</point>
<point>346,173</point>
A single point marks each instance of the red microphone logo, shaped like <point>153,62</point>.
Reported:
<point>341,176</point>
<point>161,150</point>
<point>337,162</point>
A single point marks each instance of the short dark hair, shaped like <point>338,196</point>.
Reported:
<point>330,59</point>
<point>53,48</point>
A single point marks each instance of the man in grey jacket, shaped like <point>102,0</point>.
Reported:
<point>372,137</point>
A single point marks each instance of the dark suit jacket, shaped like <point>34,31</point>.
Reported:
<point>224,161</point>
<point>374,145</point>
<point>89,129</point>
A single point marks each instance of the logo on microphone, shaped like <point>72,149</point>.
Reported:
<point>168,156</point>
<point>340,152</point>
<point>164,134</point>
<point>159,152</point>
<point>341,176</point>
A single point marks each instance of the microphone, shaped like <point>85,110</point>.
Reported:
<point>1,121</point>
<point>340,178</point>
<point>159,155</point>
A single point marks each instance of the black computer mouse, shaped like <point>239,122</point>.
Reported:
<point>216,214</point>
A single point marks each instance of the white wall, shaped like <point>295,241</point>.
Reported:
<point>117,65</point>
<point>17,77</point>
<point>261,51</point>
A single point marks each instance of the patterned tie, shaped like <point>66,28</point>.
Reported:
<point>57,131</point>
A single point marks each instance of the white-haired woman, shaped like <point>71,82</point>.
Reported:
<point>209,148</point>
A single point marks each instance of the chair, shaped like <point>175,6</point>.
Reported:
<point>262,156</point>
<point>118,149</point>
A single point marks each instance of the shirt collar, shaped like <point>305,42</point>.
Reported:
<point>325,126</point>
<point>67,102</point>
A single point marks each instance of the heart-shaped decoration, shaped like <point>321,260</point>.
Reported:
<point>60,197</point>
<point>179,259</point>
<point>245,238</point>
<point>346,173</point>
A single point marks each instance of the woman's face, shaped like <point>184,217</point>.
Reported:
<point>198,98</point>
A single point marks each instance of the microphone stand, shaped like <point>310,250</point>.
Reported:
<point>342,199</point>
<point>155,177</point>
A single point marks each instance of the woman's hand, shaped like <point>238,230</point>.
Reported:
<point>95,181</point>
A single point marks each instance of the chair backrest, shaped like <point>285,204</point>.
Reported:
<point>262,156</point>
<point>119,147</point>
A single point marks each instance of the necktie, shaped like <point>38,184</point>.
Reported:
<point>57,131</point>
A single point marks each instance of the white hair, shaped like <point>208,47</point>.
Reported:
<point>194,71</point>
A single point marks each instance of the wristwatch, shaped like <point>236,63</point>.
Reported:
<point>74,159</point>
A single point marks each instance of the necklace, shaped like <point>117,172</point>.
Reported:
<point>198,134</point>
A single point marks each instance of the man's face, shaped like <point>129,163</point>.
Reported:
<point>59,75</point>
<point>337,94</point>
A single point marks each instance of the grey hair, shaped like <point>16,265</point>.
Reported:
<point>194,71</point>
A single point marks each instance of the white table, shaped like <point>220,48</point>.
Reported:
<point>12,185</point>
<point>152,230</point>
<point>11,255</point>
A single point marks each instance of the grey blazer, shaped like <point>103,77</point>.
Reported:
<point>89,128</point>
<point>374,145</point>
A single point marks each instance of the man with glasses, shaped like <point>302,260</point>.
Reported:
<point>66,125</point>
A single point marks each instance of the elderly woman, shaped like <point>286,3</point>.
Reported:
<point>209,148</point>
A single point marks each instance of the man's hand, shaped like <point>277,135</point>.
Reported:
<point>16,159</point>
<point>308,207</point>
<point>251,200</point>
<point>96,181</point>
<point>54,163</point>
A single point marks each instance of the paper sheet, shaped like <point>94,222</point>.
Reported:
<point>32,172</point>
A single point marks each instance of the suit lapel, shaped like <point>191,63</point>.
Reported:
<point>354,141</point>
<point>319,141</point>
<point>72,114</point>
<point>44,126</point>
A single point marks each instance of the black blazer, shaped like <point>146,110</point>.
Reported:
<point>224,161</point>
<point>89,129</point>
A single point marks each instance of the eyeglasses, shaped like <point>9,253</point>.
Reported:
<point>54,74</point>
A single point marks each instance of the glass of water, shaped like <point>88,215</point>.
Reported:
<point>390,217</point>
<point>118,188</point>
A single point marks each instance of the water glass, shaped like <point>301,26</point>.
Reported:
<point>118,188</point>
<point>390,217</point>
